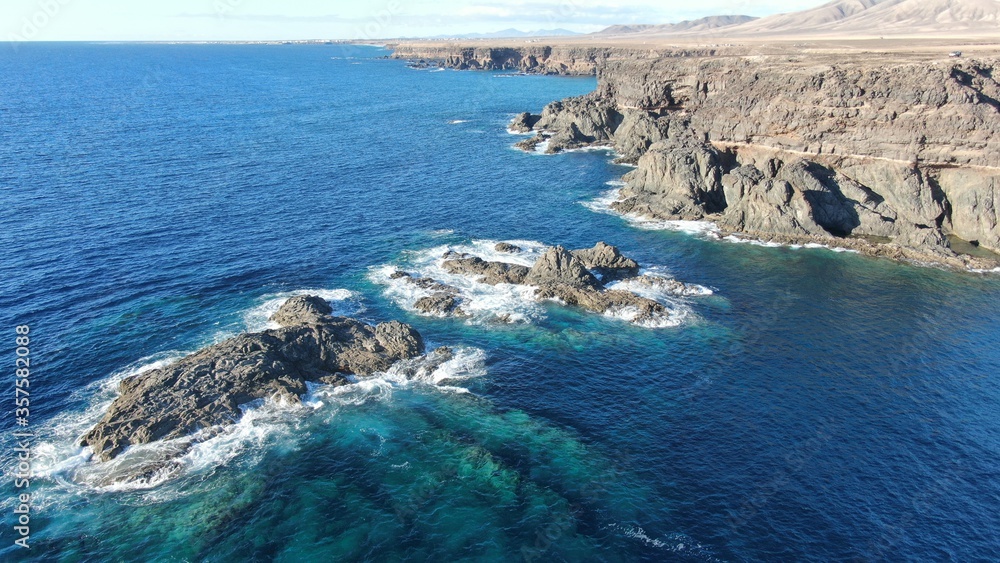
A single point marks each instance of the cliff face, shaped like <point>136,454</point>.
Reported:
<point>890,158</point>
<point>574,61</point>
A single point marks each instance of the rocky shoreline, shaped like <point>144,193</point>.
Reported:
<point>887,159</point>
<point>550,60</point>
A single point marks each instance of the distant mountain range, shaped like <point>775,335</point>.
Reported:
<point>843,18</point>
<point>702,24</point>
<point>511,32</point>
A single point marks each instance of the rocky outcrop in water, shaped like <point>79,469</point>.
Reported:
<point>887,157</point>
<point>559,266</point>
<point>207,389</point>
<point>507,248</point>
<point>569,277</point>
<point>491,273</point>
<point>607,261</point>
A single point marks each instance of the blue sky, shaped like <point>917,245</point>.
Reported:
<point>62,20</point>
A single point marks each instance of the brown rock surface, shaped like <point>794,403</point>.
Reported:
<point>207,388</point>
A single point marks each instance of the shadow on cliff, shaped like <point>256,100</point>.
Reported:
<point>832,210</point>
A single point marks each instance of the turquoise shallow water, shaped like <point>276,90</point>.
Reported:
<point>817,406</point>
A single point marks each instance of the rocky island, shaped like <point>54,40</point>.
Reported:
<point>889,155</point>
<point>596,279</point>
<point>208,388</point>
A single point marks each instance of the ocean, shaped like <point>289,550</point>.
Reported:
<point>802,404</point>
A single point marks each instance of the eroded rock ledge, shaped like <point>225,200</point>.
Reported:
<point>887,159</point>
<point>206,389</point>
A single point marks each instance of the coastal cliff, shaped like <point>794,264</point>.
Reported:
<point>532,59</point>
<point>890,156</point>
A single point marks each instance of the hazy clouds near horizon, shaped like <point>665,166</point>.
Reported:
<point>118,20</point>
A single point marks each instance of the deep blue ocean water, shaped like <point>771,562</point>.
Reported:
<point>158,198</point>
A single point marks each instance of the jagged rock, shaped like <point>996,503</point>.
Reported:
<point>530,145</point>
<point>607,261</point>
<point>557,265</point>
<point>491,273</point>
<point>207,388</point>
<point>438,304</point>
<point>676,179</point>
<point>507,247</point>
<point>306,309</point>
<point>598,301</point>
<point>425,283</point>
<point>524,122</point>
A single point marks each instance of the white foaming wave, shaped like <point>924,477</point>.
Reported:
<point>736,239</point>
<point>262,423</point>
<point>60,455</point>
<point>675,543</point>
<point>661,288</point>
<point>743,240</point>
<point>591,148</point>
<point>603,202</point>
<point>343,301</point>
<point>520,133</point>
<point>484,303</point>
<point>540,148</point>
<point>457,121</point>
<point>984,271</point>
<point>428,371</point>
<point>825,247</point>
<point>705,229</point>
<point>673,317</point>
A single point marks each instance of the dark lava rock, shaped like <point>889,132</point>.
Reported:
<point>491,273</point>
<point>207,388</point>
<point>438,304</point>
<point>607,261</point>
<point>524,122</point>
<point>599,301</point>
<point>557,265</point>
<point>530,145</point>
<point>507,247</point>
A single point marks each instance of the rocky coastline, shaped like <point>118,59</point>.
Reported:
<point>532,59</point>
<point>891,159</point>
